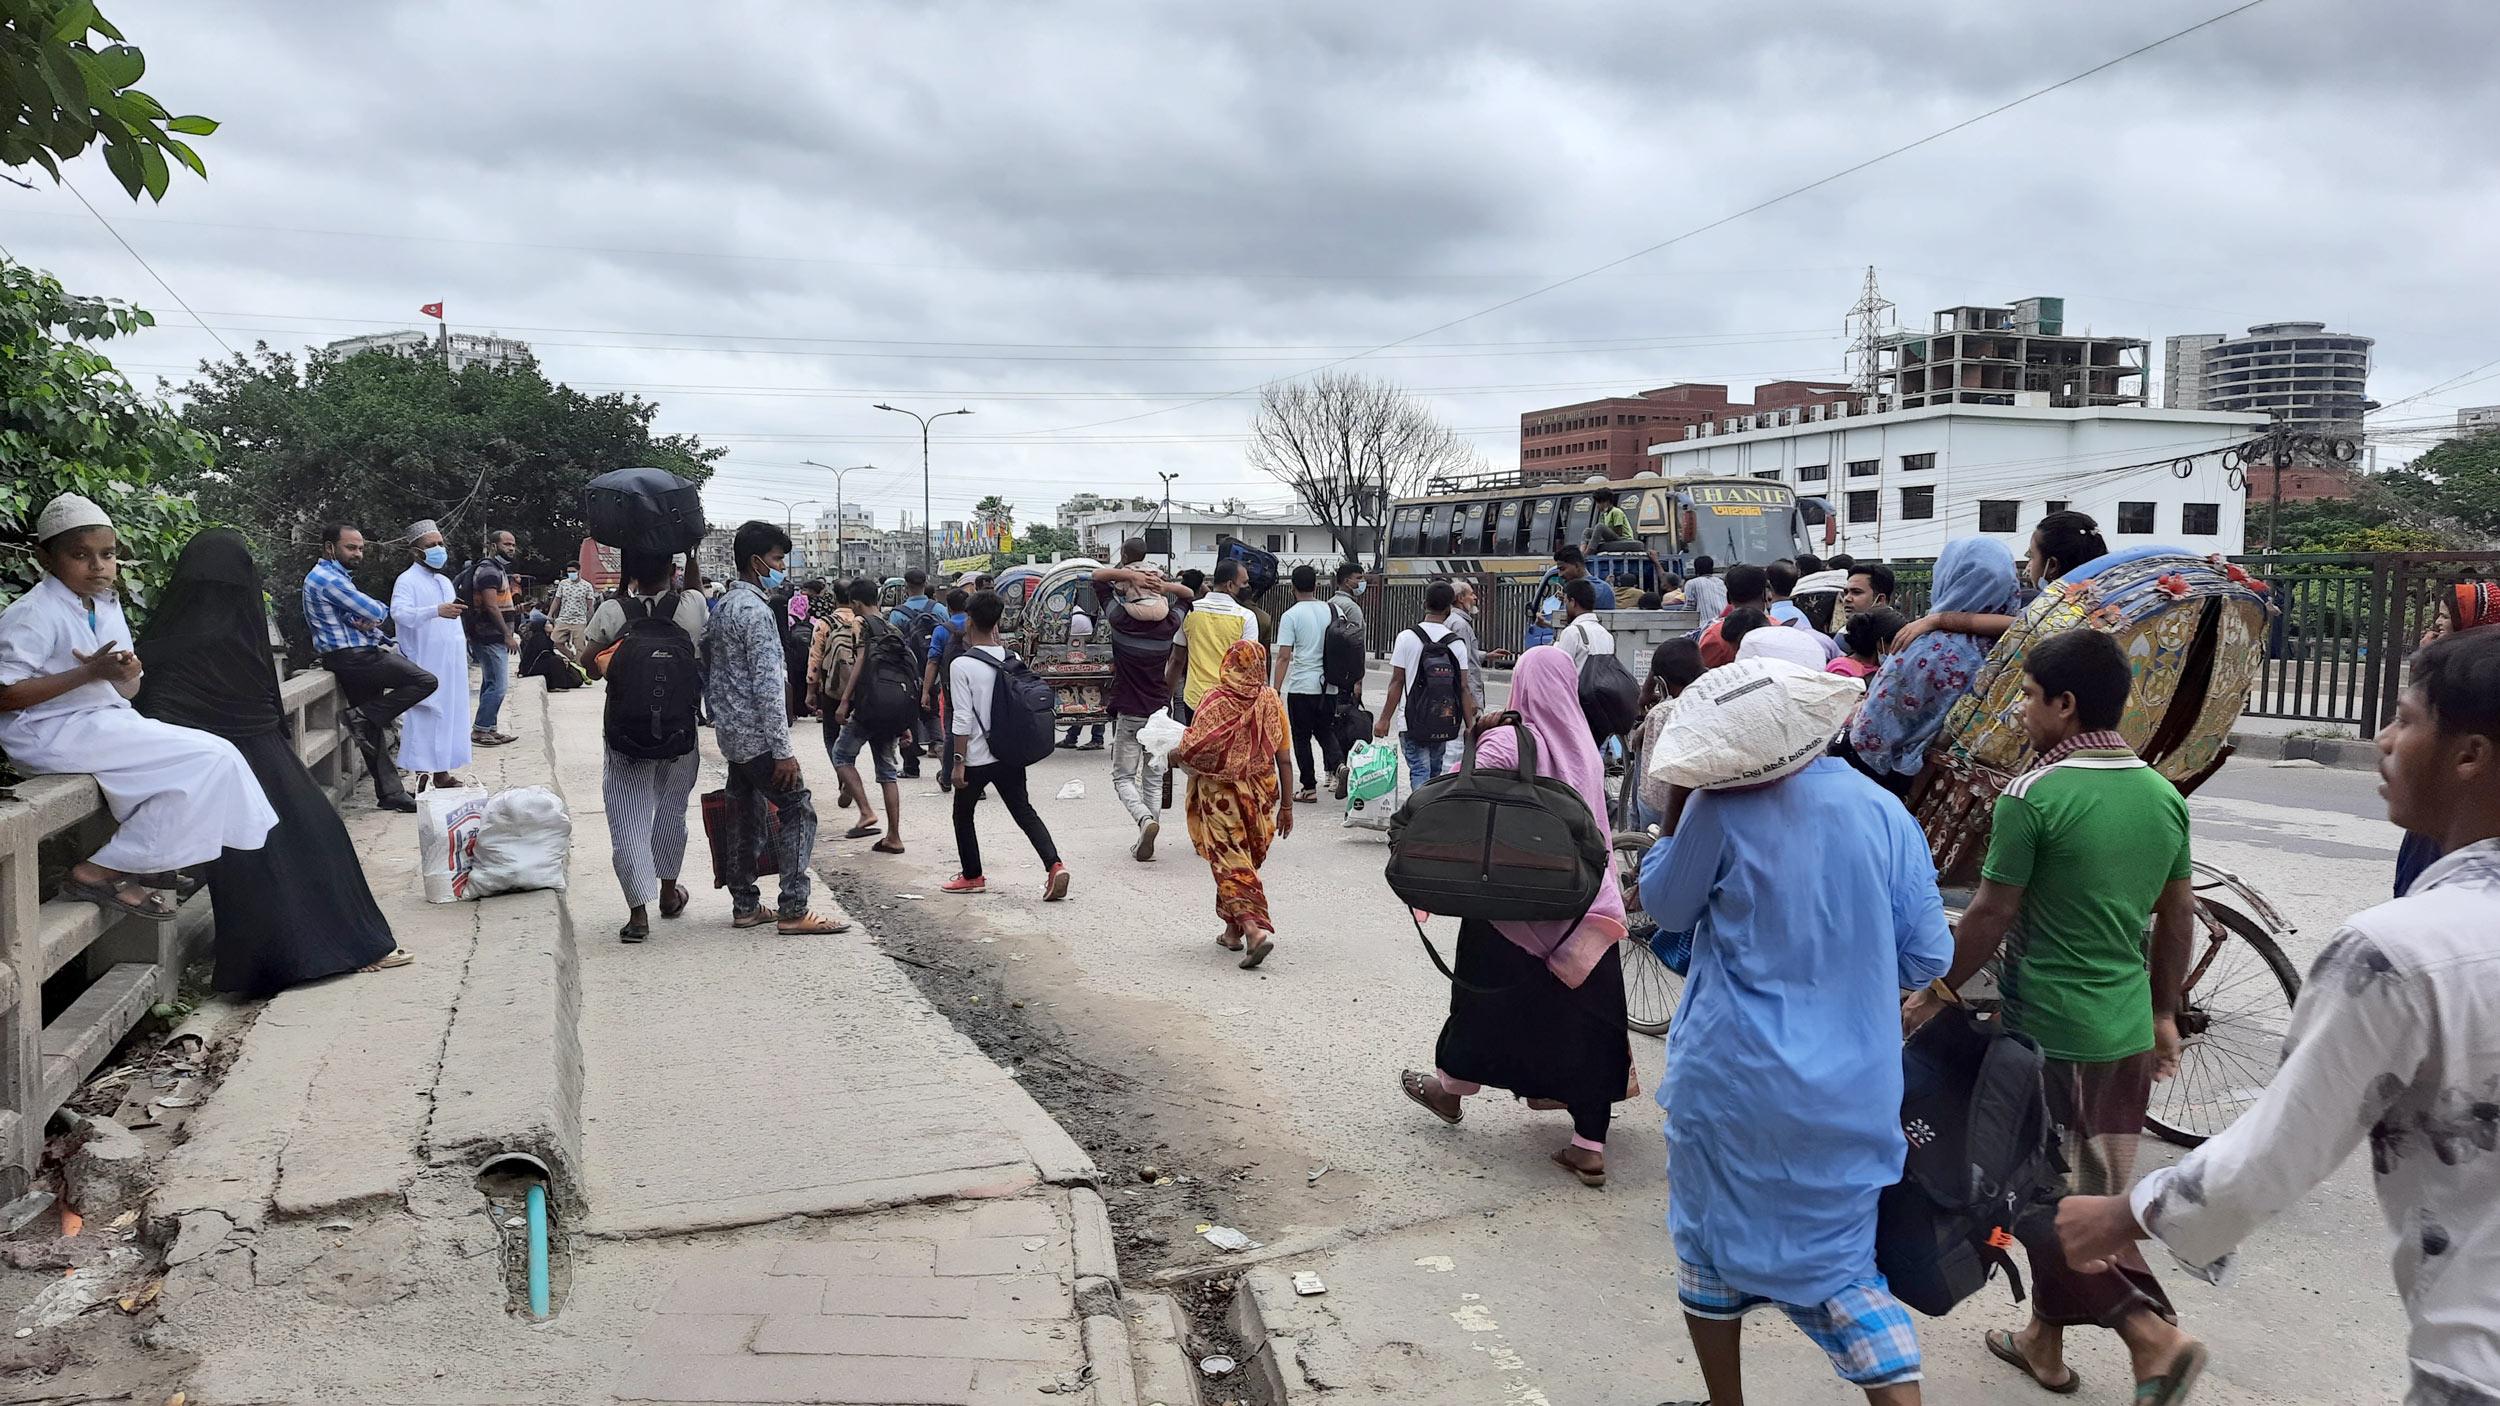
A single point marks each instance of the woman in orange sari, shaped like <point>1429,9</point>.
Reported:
<point>1239,756</point>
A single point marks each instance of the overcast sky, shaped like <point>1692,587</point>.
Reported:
<point>1075,220</point>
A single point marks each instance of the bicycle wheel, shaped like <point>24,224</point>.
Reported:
<point>2231,1025</point>
<point>1651,988</point>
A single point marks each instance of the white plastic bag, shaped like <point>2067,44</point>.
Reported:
<point>447,823</point>
<point>1751,722</point>
<point>523,840</point>
<point>1159,735</point>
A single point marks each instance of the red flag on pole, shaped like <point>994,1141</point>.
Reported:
<point>432,310</point>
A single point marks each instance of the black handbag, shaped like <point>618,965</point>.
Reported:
<point>643,509</point>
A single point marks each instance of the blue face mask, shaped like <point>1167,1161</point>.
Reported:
<point>771,580</point>
<point>436,556</point>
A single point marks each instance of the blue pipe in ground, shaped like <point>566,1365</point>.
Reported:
<point>538,1252</point>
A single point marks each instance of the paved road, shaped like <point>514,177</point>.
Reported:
<point>1462,1266</point>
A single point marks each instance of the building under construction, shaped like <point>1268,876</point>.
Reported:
<point>2017,355</point>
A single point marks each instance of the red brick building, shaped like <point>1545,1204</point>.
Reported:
<point>1612,436</point>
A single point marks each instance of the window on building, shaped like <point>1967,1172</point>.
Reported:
<point>1159,539</point>
<point>2200,519</point>
<point>1772,475</point>
<point>1276,541</point>
<point>1917,463</point>
<point>1863,506</point>
<point>2000,514</point>
<point>1865,468</point>
<point>1814,473</point>
<point>1918,504</point>
<point>2059,505</point>
<point>2136,518</point>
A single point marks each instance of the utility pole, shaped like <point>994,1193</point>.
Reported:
<point>1167,517</point>
<point>2280,456</point>
<point>1866,347</point>
<point>837,504</point>
<point>928,546</point>
<point>790,512</point>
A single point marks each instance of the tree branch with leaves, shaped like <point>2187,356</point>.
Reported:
<point>65,84</point>
<point>1347,445</point>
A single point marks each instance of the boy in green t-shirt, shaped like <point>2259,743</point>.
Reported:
<point>2083,848</point>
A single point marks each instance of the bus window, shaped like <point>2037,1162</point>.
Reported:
<point>1404,524</point>
<point>1471,531</point>
<point>1506,530</point>
<point>1541,526</point>
<point>1436,530</point>
<point>1576,528</point>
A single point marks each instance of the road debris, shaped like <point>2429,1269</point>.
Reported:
<point>1073,791</point>
<point>1313,1176</point>
<point>1217,1366</point>
<point>1224,1237</point>
<point>1307,1284</point>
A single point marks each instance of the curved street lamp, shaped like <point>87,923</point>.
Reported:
<point>928,542</point>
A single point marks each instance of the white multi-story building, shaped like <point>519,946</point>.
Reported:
<point>1904,482</point>
<point>2479,419</point>
<point>1188,539</point>
<point>461,349</point>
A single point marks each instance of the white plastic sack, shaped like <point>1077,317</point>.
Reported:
<point>447,822</point>
<point>523,840</point>
<point>1159,735</point>
<point>1751,722</point>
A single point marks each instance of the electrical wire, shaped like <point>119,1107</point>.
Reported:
<point>143,262</point>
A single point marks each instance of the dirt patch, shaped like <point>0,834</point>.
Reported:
<point>1181,1143</point>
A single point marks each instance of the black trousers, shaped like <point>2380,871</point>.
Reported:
<point>1010,782</point>
<point>1313,716</point>
<point>379,685</point>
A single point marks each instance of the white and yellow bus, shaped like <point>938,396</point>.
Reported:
<point>1513,528</point>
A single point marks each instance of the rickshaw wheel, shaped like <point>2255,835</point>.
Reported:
<point>2231,1028</point>
<point>1651,988</point>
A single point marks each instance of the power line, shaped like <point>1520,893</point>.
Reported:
<point>143,263</point>
<point>1754,208</point>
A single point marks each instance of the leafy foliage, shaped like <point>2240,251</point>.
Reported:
<point>1040,540</point>
<point>65,84</point>
<point>2459,479</point>
<point>2353,525</point>
<point>70,423</point>
<point>378,440</point>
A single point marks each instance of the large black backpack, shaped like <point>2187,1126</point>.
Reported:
<point>1432,707</point>
<point>919,627</point>
<point>1341,653</point>
<point>1983,1159</point>
<point>655,683</point>
<point>886,700</point>
<point>1609,699</point>
<point>1497,843</point>
<point>1023,725</point>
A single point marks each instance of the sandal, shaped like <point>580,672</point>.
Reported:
<point>752,918</point>
<point>1588,1176</point>
<point>1307,796</point>
<point>1258,951</point>
<point>1413,1083</point>
<point>2175,1381</point>
<point>862,830</point>
<point>810,925</point>
<point>152,906</point>
<point>1228,940</point>
<point>886,847</point>
<point>2002,1346</point>
<point>633,932</point>
<point>399,957</point>
<point>675,900</point>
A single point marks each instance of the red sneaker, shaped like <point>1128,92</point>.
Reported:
<point>1055,887</point>
<point>960,884</point>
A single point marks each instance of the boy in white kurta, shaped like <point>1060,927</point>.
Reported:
<point>433,735</point>
<point>67,672</point>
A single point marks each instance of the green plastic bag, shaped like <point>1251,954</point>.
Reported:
<point>1371,771</point>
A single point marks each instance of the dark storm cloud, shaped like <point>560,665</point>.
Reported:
<point>1323,175</point>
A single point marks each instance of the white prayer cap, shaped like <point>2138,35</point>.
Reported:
<point>418,530</point>
<point>68,513</point>
<point>1782,642</point>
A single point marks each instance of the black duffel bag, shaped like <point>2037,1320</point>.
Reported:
<point>1609,698</point>
<point>644,510</point>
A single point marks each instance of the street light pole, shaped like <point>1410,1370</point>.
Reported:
<point>928,543</point>
<point>837,504</point>
<point>1167,516</point>
<point>790,512</point>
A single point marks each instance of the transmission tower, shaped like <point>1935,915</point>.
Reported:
<point>1868,322</point>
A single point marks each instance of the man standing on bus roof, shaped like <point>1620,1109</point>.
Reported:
<point>1575,567</point>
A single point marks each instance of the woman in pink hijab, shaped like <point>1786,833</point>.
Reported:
<point>1538,1008</point>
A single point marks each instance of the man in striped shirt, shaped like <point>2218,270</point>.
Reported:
<point>377,681</point>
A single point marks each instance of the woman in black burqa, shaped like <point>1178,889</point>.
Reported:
<point>296,909</point>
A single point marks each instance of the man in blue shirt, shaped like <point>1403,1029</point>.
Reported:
<point>924,733</point>
<point>377,681</point>
<point>1575,567</point>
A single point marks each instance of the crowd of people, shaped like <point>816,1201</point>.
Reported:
<point>1804,973</point>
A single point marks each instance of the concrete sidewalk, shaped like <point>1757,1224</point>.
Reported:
<point>780,1175</point>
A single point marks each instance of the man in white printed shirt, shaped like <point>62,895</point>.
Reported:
<point>2396,1038</point>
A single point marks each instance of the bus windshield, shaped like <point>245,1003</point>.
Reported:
<point>1761,538</point>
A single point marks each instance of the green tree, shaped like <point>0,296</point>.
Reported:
<point>61,91</point>
<point>1039,540</point>
<point>71,423</point>
<point>2459,479</point>
<point>379,440</point>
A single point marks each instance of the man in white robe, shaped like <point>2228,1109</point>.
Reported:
<point>67,673</point>
<point>433,735</point>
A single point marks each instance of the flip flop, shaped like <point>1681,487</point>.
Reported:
<point>1307,796</point>
<point>675,900</point>
<point>110,896</point>
<point>2001,1346</point>
<point>1587,1177</point>
<point>883,847</point>
<point>633,932</point>
<point>1228,942</point>
<point>399,957</point>
<point>811,925</point>
<point>862,831</point>
<point>752,918</point>
<point>1258,952</point>
<point>1413,1083</point>
<point>2176,1380</point>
